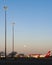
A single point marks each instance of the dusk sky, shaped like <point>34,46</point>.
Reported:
<point>33,25</point>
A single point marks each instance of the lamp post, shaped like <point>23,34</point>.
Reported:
<point>12,38</point>
<point>5,8</point>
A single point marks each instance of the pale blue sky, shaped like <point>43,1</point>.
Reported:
<point>33,25</point>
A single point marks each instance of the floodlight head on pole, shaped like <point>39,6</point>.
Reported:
<point>5,8</point>
<point>13,23</point>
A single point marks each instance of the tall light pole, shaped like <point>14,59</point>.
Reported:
<point>12,38</point>
<point>5,8</point>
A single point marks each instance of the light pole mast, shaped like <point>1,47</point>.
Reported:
<point>13,38</point>
<point>5,8</point>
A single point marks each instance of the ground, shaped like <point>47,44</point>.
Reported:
<point>27,61</point>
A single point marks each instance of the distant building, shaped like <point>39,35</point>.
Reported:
<point>21,55</point>
<point>2,54</point>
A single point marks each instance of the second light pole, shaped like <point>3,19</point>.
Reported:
<point>5,8</point>
<point>13,39</point>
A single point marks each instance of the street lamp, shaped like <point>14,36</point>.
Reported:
<point>5,8</point>
<point>13,38</point>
